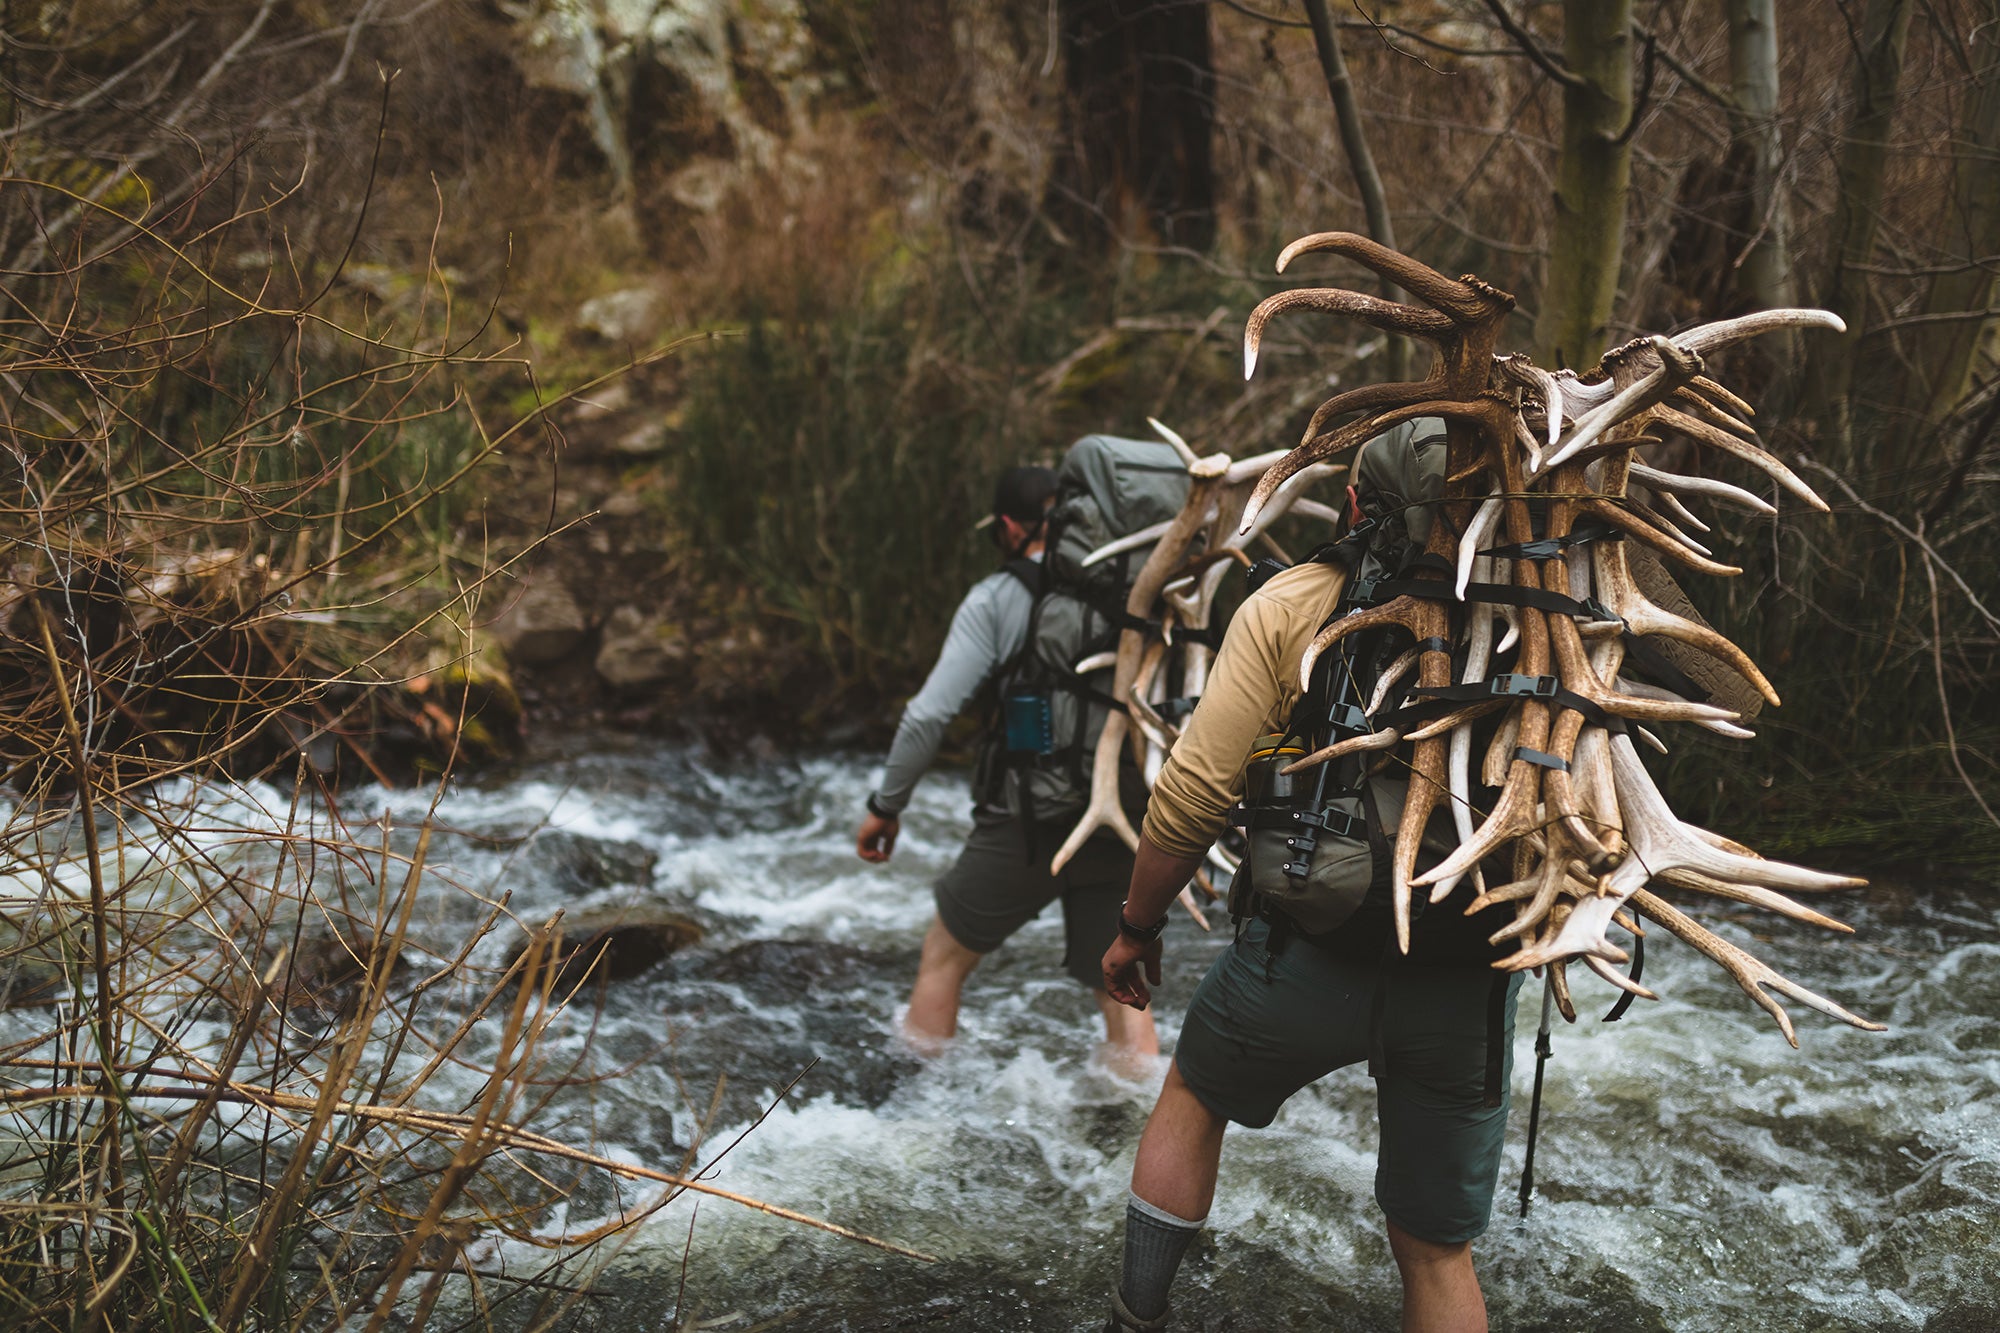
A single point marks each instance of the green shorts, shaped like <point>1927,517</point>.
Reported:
<point>1260,1027</point>
<point>994,889</point>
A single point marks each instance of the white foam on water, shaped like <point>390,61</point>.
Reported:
<point>1693,1169</point>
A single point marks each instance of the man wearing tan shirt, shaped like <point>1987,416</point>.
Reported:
<point>1280,1009</point>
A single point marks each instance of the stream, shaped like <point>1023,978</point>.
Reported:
<point>1693,1173</point>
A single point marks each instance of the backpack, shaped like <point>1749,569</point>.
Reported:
<point>1319,875</point>
<point>1045,718</point>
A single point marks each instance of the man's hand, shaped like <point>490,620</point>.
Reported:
<point>876,839</point>
<point>1122,966</point>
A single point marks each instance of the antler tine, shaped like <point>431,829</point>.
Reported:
<point>1706,338</point>
<point>1132,541</point>
<point>1676,367</point>
<point>1660,842</point>
<point>1388,316</point>
<point>1698,404</point>
<point>1682,514</point>
<point>1640,689</point>
<point>1287,497</point>
<point>1646,534</point>
<point>1755,896</point>
<point>1720,396</point>
<point>1707,487</point>
<point>1458,760</point>
<point>1581,678</point>
<point>1391,676</point>
<point>1173,437</point>
<point>1702,433</point>
<point>1105,810</point>
<point>1617,978</point>
<point>1370,398</point>
<point>1374,740</point>
<point>1483,521</point>
<point>1465,301</point>
<point>1751,973</point>
<point>1616,588</point>
<point>1326,446</point>
<point>1249,469</point>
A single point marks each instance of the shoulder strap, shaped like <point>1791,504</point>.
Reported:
<point>1031,574</point>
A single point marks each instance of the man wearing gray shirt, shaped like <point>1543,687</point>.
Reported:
<point>1001,879</point>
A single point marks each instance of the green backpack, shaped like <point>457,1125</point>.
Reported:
<point>1046,718</point>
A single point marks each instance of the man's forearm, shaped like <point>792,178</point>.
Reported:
<point>1157,878</point>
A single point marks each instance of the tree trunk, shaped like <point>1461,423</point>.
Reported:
<point>1361,162</point>
<point>1764,270</point>
<point>1135,155</point>
<point>1878,70</point>
<point>1591,182</point>
<point>1942,353</point>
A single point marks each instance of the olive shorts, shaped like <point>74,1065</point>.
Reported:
<point>1262,1026</point>
<point>994,889</point>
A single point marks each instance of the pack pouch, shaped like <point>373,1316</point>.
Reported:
<point>1318,870</point>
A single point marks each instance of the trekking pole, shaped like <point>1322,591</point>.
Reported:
<point>1542,1053</point>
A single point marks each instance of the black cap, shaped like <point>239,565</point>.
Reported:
<point>1023,494</point>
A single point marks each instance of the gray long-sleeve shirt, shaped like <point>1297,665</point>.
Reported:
<point>989,627</point>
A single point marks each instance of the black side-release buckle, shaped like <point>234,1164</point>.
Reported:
<point>1264,571</point>
<point>1337,822</point>
<point>1362,593</point>
<point>1350,718</point>
<point>1523,687</point>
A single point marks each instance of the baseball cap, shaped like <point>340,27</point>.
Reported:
<point>1022,494</point>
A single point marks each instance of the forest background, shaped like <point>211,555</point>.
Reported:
<point>384,380</point>
<point>339,325</point>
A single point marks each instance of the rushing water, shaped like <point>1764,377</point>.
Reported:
<point>1694,1172</point>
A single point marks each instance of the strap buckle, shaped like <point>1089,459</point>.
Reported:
<point>1597,610</point>
<point>1350,718</point>
<point>1513,686</point>
<point>1340,823</point>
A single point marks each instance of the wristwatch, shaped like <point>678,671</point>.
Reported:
<point>875,809</point>
<point>1143,934</point>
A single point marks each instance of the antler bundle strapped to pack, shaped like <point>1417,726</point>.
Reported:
<point>1527,597</point>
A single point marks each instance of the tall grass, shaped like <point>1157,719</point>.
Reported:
<point>235,1091</point>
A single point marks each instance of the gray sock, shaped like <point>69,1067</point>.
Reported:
<point>1155,1240</point>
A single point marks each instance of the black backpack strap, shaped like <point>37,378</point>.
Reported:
<point>1032,574</point>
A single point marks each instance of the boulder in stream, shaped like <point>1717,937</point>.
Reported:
<point>616,943</point>
<point>577,863</point>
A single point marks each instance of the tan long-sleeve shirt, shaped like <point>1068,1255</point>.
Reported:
<point>1250,693</point>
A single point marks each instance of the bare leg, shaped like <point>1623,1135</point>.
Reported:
<point>1129,1031</point>
<point>1179,1152</point>
<point>941,973</point>
<point>1440,1291</point>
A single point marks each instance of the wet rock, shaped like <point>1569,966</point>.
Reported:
<point>638,649</point>
<point>633,315</point>
<point>617,943</point>
<point>544,624</point>
<point>322,978</point>
<point>578,864</point>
